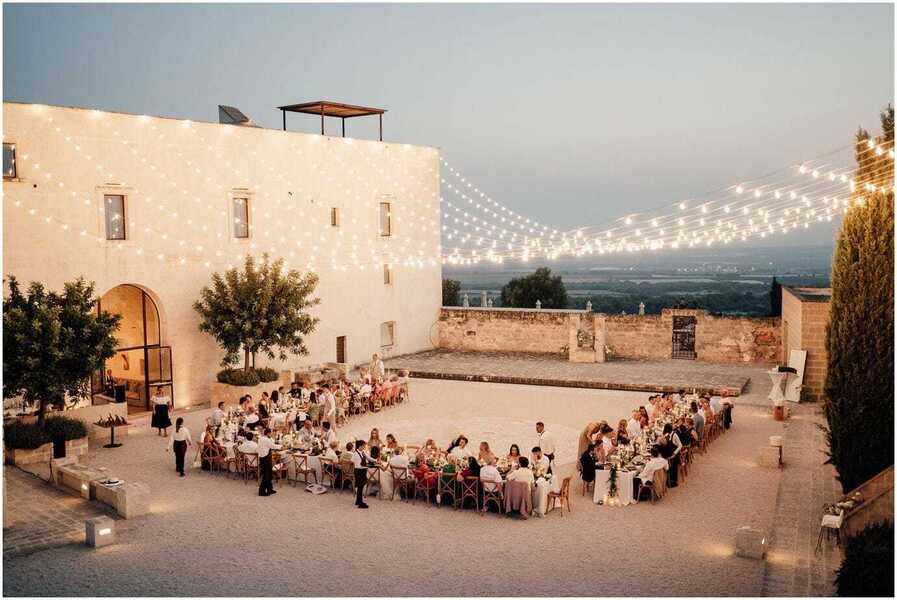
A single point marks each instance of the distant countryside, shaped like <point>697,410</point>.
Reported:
<point>724,281</point>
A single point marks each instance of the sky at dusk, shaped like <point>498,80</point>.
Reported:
<point>570,114</point>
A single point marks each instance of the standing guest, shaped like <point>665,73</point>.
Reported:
<point>587,464</point>
<point>523,473</point>
<point>684,432</point>
<point>546,441</point>
<point>377,370</point>
<point>514,454</point>
<point>295,391</point>
<point>179,442</point>
<point>359,461</point>
<point>716,403</point>
<point>218,417</point>
<point>669,446</point>
<point>329,409</point>
<point>266,464</point>
<point>161,404</point>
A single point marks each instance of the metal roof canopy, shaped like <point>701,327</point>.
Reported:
<point>326,108</point>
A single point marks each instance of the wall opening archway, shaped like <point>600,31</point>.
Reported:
<point>142,364</point>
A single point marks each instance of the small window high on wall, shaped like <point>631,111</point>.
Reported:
<point>387,334</point>
<point>240,215</point>
<point>334,217</point>
<point>114,212</point>
<point>387,274</point>
<point>9,161</point>
<point>385,219</point>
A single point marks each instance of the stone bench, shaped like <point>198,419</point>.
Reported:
<point>78,478</point>
<point>130,499</point>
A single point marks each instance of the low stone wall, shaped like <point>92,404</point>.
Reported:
<point>718,339</point>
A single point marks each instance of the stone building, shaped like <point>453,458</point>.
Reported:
<point>148,208</point>
<point>805,314</point>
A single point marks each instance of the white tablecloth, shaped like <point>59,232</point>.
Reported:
<point>625,484</point>
<point>540,497</point>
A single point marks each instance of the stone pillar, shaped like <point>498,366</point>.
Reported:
<point>466,302</point>
<point>600,327</point>
<point>485,301</point>
<point>489,304</point>
<point>589,306</point>
<point>641,308</point>
<point>538,305</point>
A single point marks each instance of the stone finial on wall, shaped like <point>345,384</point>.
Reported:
<point>466,303</point>
<point>589,306</point>
<point>538,305</point>
<point>641,308</point>
<point>485,300</point>
<point>490,303</point>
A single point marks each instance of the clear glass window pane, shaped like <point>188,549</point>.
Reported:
<point>9,161</point>
<point>385,219</point>
<point>241,217</point>
<point>114,210</point>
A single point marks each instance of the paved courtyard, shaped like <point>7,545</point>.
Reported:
<point>554,370</point>
<point>206,531</point>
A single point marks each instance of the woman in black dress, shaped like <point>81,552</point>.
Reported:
<point>161,404</point>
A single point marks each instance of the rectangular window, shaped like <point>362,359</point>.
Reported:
<point>387,274</point>
<point>385,219</point>
<point>341,349</point>
<point>387,334</point>
<point>241,217</point>
<point>9,161</point>
<point>334,217</point>
<point>114,211</point>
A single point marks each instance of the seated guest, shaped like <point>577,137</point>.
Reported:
<point>375,438</point>
<point>459,449</point>
<point>307,434</point>
<point>430,447</point>
<point>391,442</point>
<point>471,470</point>
<point>295,391</point>
<point>600,455</point>
<point>252,419</point>
<point>669,446</point>
<point>489,475</point>
<point>623,426</point>
<point>328,435</point>
<point>425,476</point>
<point>485,454</point>
<point>698,418</point>
<point>514,454</point>
<point>621,438</point>
<point>264,409</point>
<point>540,461</point>
<point>523,473</point>
<point>587,464</point>
<point>331,451</point>
<point>275,399</point>
<point>218,417</point>
<point>692,432</point>
<point>399,459</point>
<point>652,466</point>
<point>374,453</point>
<point>249,446</point>
<point>683,432</point>
<point>346,457</point>
<point>643,418</point>
<point>243,401</point>
<point>716,403</point>
<point>634,425</point>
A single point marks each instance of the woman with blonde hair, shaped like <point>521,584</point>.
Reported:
<point>585,438</point>
<point>485,455</point>
<point>375,440</point>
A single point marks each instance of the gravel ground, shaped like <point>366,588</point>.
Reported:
<point>212,536</point>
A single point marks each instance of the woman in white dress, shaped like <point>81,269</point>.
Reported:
<point>161,404</point>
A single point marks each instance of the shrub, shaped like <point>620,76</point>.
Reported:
<point>24,436</point>
<point>868,567</point>
<point>267,374</point>
<point>238,377</point>
<point>69,428</point>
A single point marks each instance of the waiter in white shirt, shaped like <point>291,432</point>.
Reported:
<point>266,465</point>
<point>546,441</point>
<point>359,462</point>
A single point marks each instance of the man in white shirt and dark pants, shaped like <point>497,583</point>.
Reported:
<point>266,465</point>
<point>359,463</point>
<point>546,441</point>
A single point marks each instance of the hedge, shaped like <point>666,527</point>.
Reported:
<point>24,436</point>
<point>247,378</point>
<point>69,428</point>
<point>868,567</point>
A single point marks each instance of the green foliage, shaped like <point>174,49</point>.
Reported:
<point>24,436</point>
<point>69,428</point>
<point>53,342</point>
<point>868,566</point>
<point>775,298</point>
<point>523,292</point>
<point>859,387</point>
<point>451,292</point>
<point>259,308</point>
<point>247,378</point>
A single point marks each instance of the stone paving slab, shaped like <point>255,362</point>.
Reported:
<point>554,370</point>
<point>43,516</point>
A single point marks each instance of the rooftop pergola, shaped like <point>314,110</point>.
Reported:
<point>325,108</point>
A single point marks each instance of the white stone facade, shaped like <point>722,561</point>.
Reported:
<point>179,180</point>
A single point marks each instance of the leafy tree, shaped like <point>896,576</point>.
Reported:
<point>775,298</point>
<point>859,405</point>
<point>868,567</point>
<point>53,342</point>
<point>451,292</point>
<point>259,308</point>
<point>522,292</point>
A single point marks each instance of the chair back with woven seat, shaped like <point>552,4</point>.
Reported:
<point>373,481</point>
<point>347,475</point>
<point>425,487</point>
<point>447,485</point>
<point>329,471</point>
<point>470,488</point>
<point>402,480</point>
<point>562,497</point>
<point>250,466</point>
<point>301,468</point>
<point>495,495</point>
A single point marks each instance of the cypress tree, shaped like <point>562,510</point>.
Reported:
<point>859,405</point>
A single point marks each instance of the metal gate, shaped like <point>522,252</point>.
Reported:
<point>684,337</point>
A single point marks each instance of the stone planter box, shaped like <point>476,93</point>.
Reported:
<point>76,447</point>
<point>128,499</point>
<point>231,394</point>
<point>41,454</point>
<point>103,434</point>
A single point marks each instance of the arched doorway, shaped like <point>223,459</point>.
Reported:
<point>141,363</point>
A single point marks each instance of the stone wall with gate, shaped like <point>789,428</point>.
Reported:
<point>584,336</point>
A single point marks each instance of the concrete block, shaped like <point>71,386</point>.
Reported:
<point>79,477</point>
<point>99,532</point>
<point>134,500</point>
<point>750,543</point>
<point>769,457</point>
<point>57,463</point>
